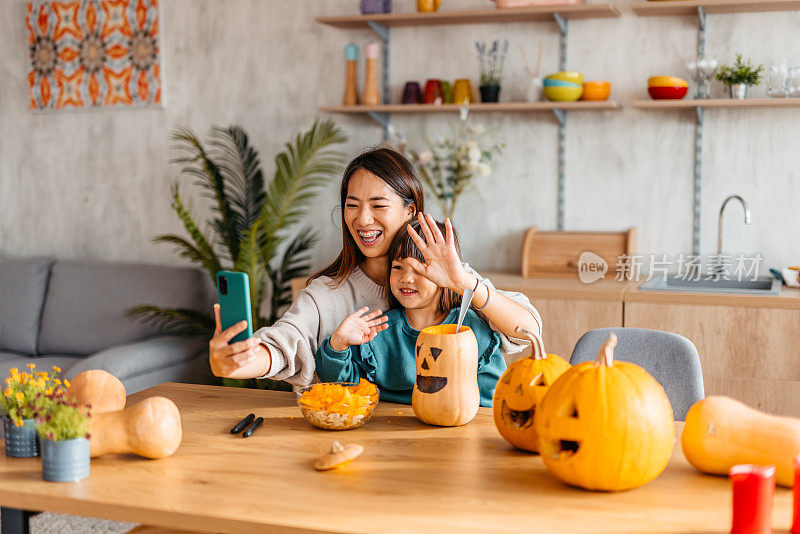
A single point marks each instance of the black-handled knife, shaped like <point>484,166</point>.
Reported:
<point>243,423</point>
<point>252,428</point>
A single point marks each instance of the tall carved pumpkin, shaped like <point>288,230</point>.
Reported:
<point>446,389</point>
<point>520,391</point>
<point>606,425</point>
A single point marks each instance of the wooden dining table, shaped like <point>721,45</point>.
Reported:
<point>411,478</point>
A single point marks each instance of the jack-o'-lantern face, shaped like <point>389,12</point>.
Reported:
<point>605,425</point>
<point>446,389</point>
<point>519,392</point>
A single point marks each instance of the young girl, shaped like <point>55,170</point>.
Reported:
<point>356,349</point>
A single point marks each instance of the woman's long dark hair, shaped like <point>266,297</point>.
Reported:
<point>399,174</point>
<point>403,247</point>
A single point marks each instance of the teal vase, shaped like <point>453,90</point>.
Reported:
<point>65,461</point>
<point>21,441</point>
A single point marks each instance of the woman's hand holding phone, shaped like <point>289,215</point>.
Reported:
<point>358,328</point>
<point>243,359</point>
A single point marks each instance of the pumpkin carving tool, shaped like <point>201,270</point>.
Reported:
<point>466,300</point>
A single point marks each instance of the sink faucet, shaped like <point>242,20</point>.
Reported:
<point>747,219</point>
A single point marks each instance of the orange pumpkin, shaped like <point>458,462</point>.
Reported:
<point>151,428</point>
<point>446,389</point>
<point>520,391</point>
<point>606,425</point>
<point>102,390</point>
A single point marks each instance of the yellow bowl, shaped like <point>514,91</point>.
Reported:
<point>567,76</point>
<point>596,91</point>
<point>563,94</point>
<point>666,81</point>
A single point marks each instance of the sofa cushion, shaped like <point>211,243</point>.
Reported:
<point>23,283</point>
<point>43,363</point>
<point>140,357</point>
<point>86,304</point>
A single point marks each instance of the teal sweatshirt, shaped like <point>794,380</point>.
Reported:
<point>388,360</point>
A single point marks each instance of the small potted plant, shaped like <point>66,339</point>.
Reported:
<point>491,60</point>
<point>739,77</point>
<point>63,428</point>
<point>17,404</point>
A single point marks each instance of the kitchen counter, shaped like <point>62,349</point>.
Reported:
<point>789,298</point>
<point>558,287</point>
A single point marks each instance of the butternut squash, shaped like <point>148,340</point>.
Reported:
<point>98,388</point>
<point>151,429</point>
<point>721,432</point>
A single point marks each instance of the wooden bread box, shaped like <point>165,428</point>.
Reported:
<point>556,253</point>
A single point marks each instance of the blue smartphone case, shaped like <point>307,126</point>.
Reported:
<point>233,291</point>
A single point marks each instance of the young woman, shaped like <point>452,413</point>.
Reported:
<point>379,193</point>
<point>381,349</point>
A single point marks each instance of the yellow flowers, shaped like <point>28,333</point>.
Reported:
<point>66,383</point>
<point>14,372</point>
<point>56,369</point>
<point>48,391</point>
<point>19,396</point>
<point>31,366</point>
<point>23,390</point>
<point>18,422</point>
<point>7,392</point>
<point>57,381</point>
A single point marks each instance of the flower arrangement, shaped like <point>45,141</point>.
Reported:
<point>740,72</point>
<point>448,166</point>
<point>59,419</point>
<point>22,389</point>
<point>491,60</point>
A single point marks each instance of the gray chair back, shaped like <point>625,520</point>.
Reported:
<point>671,359</point>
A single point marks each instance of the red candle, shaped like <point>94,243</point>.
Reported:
<point>753,493</point>
<point>796,495</point>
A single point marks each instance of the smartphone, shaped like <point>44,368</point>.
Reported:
<point>233,291</point>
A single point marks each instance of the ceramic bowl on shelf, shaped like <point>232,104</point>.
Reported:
<point>596,90</point>
<point>667,93</point>
<point>666,81</point>
<point>567,76</point>
<point>559,83</point>
<point>563,94</point>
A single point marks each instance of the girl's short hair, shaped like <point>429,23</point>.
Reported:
<point>402,247</point>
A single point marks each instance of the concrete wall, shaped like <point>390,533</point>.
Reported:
<point>96,184</point>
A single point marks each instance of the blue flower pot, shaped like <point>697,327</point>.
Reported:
<point>65,461</point>
<point>21,441</point>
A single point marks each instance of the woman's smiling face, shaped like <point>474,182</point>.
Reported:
<point>373,213</point>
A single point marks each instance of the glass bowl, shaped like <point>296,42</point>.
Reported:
<point>330,420</point>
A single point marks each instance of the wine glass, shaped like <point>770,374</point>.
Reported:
<point>701,72</point>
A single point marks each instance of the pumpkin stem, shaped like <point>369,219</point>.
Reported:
<point>606,354</point>
<point>538,352</point>
<point>336,447</point>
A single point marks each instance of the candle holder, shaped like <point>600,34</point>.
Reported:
<point>753,492</point>
<point>701,72</point>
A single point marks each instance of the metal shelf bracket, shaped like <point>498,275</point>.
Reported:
<point>384,35</point>
<point>562,26</point>
<point>698,143</point>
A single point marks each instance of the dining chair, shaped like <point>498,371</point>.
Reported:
<point>671,359</point>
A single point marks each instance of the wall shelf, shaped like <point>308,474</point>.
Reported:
<point>661,8</point>
<point>718,103</point>
<point>475,107</point>
<point>482,16</point>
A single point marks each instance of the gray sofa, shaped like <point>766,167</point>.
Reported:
<point>72,314</point>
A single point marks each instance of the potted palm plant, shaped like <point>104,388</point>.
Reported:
<point>739,77</point>
<point>252,227</point>
<point>17,403</point>
<point>63,428</point>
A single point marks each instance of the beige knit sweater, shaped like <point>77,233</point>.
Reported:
<point>320,309</point>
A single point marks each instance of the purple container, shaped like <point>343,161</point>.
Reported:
<point>369,7</point>
<point>412,94</point>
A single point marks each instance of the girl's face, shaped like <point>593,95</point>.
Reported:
<point>373,213</point>
<point>412,290</point>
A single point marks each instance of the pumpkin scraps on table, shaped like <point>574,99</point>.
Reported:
<point>338,405</point>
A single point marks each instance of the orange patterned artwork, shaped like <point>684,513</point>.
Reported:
<point>93,53</point>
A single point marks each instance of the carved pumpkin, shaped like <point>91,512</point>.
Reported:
<point>151,428</point>
<point>520,391</point>
<point>446,389</point>
<point>102,390</point>
<point>606,425</point>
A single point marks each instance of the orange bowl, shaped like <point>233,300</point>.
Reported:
<point>596,90</point>
<point>666,81</point>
